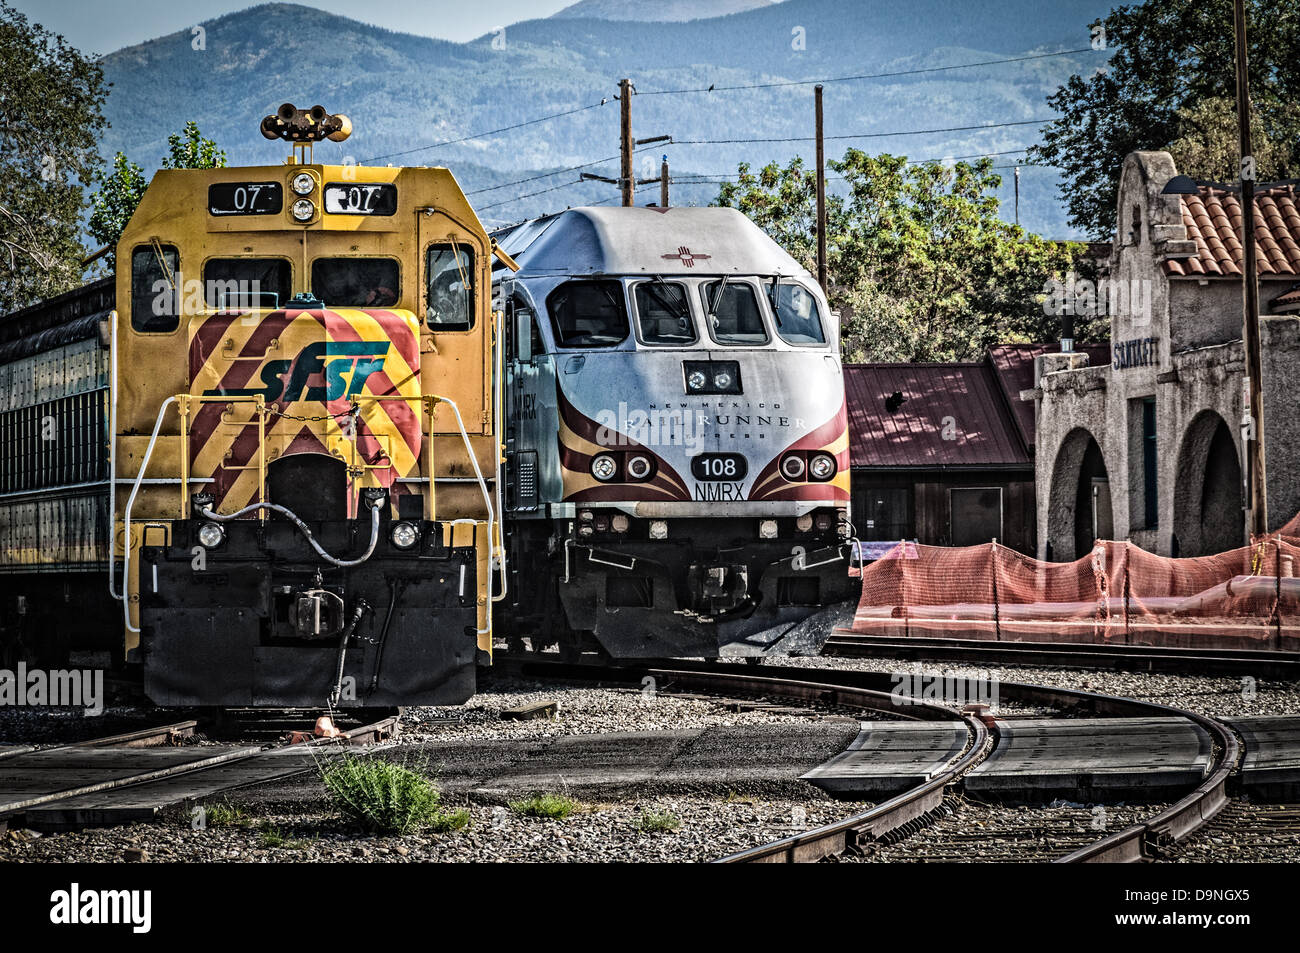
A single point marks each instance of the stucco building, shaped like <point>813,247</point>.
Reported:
<point>1148,447</point>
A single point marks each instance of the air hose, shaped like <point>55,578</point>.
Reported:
<point>374,505</point>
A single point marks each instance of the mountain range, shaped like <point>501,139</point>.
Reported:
<point>422,101</point>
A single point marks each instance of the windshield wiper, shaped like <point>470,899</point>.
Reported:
<point>717,301</point>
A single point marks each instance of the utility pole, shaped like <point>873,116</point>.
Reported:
<point>625,140</point>
<point>1257,485</point>
<point>627,181</point>
<point>1017,195</point>
<point>821,191</point>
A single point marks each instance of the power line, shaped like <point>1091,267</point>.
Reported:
<point>563,185</point>
<point>846,79</point>
<point>483,135</point>
<point>544,175</point>
<point>862,135</point>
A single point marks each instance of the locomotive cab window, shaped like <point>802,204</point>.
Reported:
<point>356,282</point>
<point>588,314</point>
<point>449,271</point>
<point>732,312</point>
<point>798,320</point>
<point>246,282</point>
<point>663,314</point>
<point>155,293</point>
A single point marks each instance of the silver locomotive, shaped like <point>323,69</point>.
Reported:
<point>677,462</point>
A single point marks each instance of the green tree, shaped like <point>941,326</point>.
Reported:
<point>918,263</point>
<point>1170,82</point>
<point>121,190</point>
<point>51,100</point>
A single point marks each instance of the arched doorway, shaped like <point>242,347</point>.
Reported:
<point>1079,505</point>
<point>1207,497</point>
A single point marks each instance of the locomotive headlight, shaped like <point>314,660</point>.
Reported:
<point>304,210</point>
<point>404,535</point>
<point>211,535</point>
<point>696,380</point>
<point>658,529</point>
<point>793,467</point>
<point>639,467</point>
<point>303,183</point>
<point>767,529</point>
<point>604,468</point>
<point>822,466</point>
<point>722,380</point>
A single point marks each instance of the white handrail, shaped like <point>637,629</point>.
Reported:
<point>498,415</point>
<point>487,501</point>
<point>112,451</point>
<point>126,515</point>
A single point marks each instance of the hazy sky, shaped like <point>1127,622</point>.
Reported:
<point>102,26</point>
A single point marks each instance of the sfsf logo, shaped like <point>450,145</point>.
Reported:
<point>317,373</point>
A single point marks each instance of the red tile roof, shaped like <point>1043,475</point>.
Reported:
<point>1013,368</point>
<point>1213,221</point>
<point>983,430</point>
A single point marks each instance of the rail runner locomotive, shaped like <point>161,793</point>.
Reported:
<point>676,434</point>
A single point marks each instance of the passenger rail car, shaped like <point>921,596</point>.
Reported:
<point>677,439</point>
<point>287,415</point>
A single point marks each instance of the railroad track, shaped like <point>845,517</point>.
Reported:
<point>1261,664</point>
<point>114,777</point>
<point>874,691</point>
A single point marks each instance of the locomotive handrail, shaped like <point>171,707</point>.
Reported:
<point>126,514</point>
<point>487,500</point>
<point>183,402</point>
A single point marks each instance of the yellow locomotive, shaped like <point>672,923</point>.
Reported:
<point>303,425</point>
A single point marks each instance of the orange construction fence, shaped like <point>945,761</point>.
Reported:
<point>1118,594</point>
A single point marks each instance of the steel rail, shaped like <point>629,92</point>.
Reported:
<point>380,730</point>
<point>1262,663</point>
<point>1138,842</point>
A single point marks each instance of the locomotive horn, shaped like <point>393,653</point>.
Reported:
<point>305,125</point>
<point>344,129</point>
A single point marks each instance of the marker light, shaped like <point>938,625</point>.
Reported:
<point>604,468</point>
<point>658,529</point>
<point>822,466</point>
<point>767,529</point>
<point>792,467</point>
<point>404,535</point>
<point>639,467</point>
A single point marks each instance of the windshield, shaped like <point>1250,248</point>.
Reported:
<point>664,314</point>
<point>355,282</point>
<point>450,270</point>
<point>797,317</point>
<point>735,316</point>
<point>588,314</point>
<point>246,282</point>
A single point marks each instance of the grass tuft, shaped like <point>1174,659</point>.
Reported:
<point>225,814</point>
<point>385,797</point>
<point>658,822</point>
<point>555,806</point>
